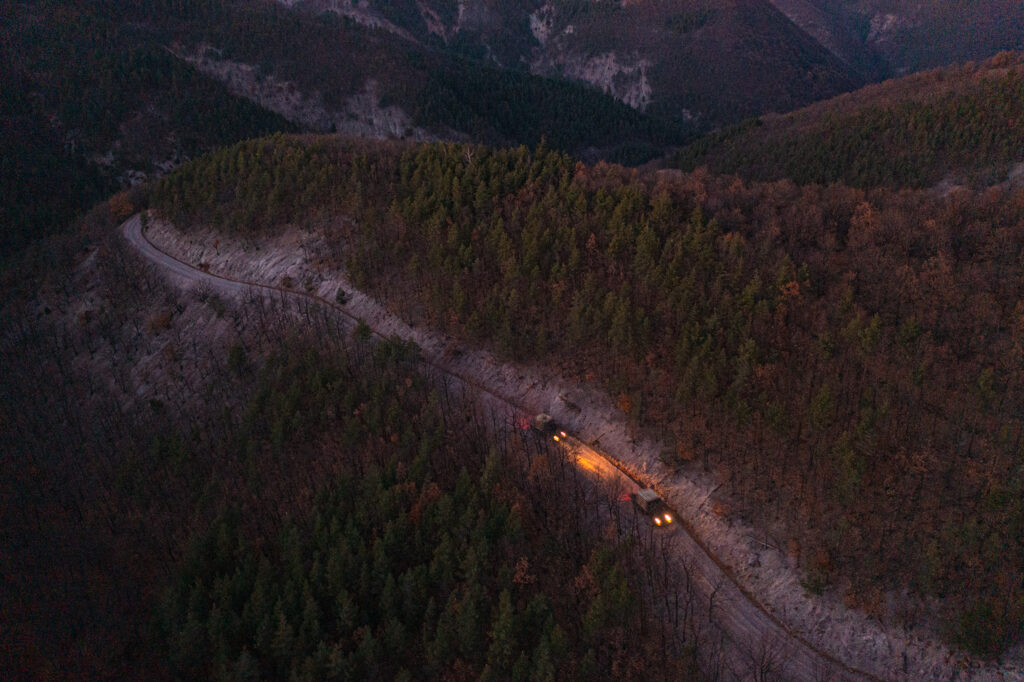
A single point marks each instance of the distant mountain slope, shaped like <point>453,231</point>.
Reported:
<point>720,61</point>
<point>88,103</point>
<point>717,62</point>
<point>957,124</point>
<point>884,38</point>
<point>97,96</point>
<point>332,73</point>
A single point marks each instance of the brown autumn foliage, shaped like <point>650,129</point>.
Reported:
<point>850,357</point>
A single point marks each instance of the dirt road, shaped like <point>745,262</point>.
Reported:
<point>761,637</point>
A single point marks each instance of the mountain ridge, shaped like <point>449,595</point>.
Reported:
<point>890,38</point>
<point>952,125</point>
<point>671,57</point>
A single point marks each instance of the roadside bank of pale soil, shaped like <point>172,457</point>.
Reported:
<point>295,259</point>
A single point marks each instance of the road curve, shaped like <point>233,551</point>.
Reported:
<point>736,611</point>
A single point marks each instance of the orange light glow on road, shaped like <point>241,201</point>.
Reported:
<point>586,458</point>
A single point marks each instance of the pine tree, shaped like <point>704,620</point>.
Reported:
<point>503,637</point>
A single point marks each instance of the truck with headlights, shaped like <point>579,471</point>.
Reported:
<point>651,505</point>
<point>544,424</point>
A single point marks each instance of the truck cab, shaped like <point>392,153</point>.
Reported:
<point>547,426</point>
<point>650,504</point>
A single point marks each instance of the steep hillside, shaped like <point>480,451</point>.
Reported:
<point>88,104</point>
<point>957,125</point>
<point>684,59</point>
<point>332,74</point>
<point>719,62</point>
<point>886,38</point>
<point>840,29</point>
<point>872,424</point>
<point>197,487</point>
<point>98,96</point>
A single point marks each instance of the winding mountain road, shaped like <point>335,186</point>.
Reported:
<point>766,648</point>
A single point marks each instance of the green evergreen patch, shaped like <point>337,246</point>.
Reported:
<point>423,558</point>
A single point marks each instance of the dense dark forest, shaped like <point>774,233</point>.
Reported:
<point>845,361</point>
<point>409,565</point>
<point>961,122</point>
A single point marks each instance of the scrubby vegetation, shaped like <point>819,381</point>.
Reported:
<point>844,360</point>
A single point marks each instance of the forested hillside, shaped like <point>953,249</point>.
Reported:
<point>844,361</point>
<point>96,96</point>
<point>87,103</point>
<point>960,123</point>
<point>201,488</point>
<point>438,550</point>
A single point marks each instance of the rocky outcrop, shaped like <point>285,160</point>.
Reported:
<point>624,78</point>
<point>361,114</point>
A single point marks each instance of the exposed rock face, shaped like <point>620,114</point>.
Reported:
<point>883,26</point>
<point>542,23</point>
<point>722,60</point>
<point>687,59</point>
<point>435,23</point>
<point>360,116</point>
<point>356,10</point>
<point>624,79</point>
